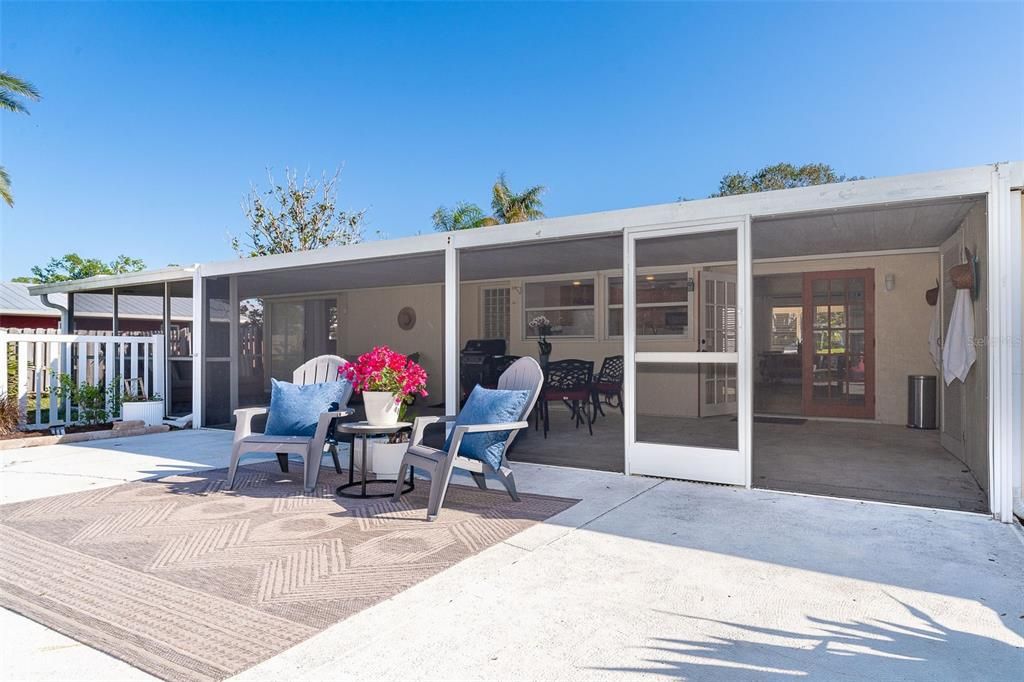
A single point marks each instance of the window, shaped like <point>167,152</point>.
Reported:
<point>662,305</point>
<point>495,313</point>
<point>786,332</point>
<point>568,305</point>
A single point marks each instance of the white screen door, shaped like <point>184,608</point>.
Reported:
<point>689,409</point>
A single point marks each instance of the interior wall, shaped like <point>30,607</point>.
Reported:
<point>369,317</point>
<point>902,320</point>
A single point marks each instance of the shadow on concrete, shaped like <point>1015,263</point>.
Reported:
<point>829,650</point>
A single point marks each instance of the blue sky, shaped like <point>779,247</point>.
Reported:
<point>157,117</point>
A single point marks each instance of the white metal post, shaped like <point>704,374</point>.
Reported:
<point>1003,288</point>
<point>1017,347</point>
<point>629,344</point>
<point>3,351</point>
<point>159,384</point>
<point>165,352</point>
<point>198,317</point>
<point>745,340</point>
<point>451,329</point>
<point>233,349</point>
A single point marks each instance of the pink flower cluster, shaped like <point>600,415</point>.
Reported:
<point>382,369</point>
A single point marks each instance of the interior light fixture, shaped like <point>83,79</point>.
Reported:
<point>649,278</point>
<point>576,282</point>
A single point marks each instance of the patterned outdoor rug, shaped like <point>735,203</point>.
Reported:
<point>189,581</point>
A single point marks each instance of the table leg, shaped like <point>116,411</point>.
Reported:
<point>351,460</point>
<point>363,488</point>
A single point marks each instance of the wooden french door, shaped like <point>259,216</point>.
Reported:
<point>839,344</point>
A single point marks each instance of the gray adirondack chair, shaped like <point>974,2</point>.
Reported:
<point>318,370</point>
<point>523,375</point>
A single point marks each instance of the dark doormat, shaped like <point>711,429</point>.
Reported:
<point>791,421</point>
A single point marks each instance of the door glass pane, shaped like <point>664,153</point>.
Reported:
<point>673,410</point>
<point>688,404</point>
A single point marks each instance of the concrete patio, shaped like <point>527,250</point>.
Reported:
<point>642,578</point>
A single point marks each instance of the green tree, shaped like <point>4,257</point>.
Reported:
<point>512,207</point>
<point>72,266</point>
<point>13,92</point>
<point>297,217</point>
<point>464,216</point>
<point>779,176</point>
<point>507,207</point>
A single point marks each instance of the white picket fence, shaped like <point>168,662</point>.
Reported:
<point>35,363</point>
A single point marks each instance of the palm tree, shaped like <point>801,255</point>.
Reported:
<point>510,207</point>
<point>464,216</point>
<point>11,89</point>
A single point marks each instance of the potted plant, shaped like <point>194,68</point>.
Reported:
<point>136,406</point>
<point>388,382</point>
<point>542,325</point>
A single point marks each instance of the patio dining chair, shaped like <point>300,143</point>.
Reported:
<point>569,381</point>
<point>607,386</point>
<point>522,375</point>
<point>321,369</point>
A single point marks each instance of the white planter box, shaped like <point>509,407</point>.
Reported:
<point>151,412</point>
<point>382,458</point>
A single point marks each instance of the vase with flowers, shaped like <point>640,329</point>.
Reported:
<point>388,382</point>
<point>542,326</point>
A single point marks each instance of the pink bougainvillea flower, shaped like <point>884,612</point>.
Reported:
<point>383,369</point>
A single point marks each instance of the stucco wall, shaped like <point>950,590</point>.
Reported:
<point>369,317</point>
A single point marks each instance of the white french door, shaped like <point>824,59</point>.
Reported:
<point>717,313</point>
<point>688,395</point>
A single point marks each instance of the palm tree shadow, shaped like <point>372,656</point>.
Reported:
<point>871,649</point>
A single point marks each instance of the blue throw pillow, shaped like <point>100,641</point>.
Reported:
<point>295,410</point>
<point>488,406</point>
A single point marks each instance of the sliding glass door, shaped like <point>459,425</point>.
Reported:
<point>688,412</point>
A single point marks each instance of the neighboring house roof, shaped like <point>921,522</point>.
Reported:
<point>16,300</point>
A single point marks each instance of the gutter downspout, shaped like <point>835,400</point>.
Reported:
<point>65,317</point>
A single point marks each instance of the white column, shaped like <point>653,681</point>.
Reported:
<point>1017,347</point>
<point>198,325</point>
<point>1004,300</point>
<point>233,350</point>
<point>744,369</point>
<point>629,346</point>
<point>451,329</point>
<point>165,354</point>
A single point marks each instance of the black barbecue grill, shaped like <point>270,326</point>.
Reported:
<point>479,363</point>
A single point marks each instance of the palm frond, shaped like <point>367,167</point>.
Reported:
<point>19,86</point>
<point>9,103</point>
<point>5,187</point>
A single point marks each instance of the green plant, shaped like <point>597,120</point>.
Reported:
<point>89,401</point>
<point>138,398</point>
<point>11,89</point>
<point>10,414</point>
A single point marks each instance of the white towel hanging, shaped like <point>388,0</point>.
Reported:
<point>959,353</point>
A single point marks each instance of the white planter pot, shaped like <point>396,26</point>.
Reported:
<point>382,458</point>
<point>150,411</point>
<point>381,408</point>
